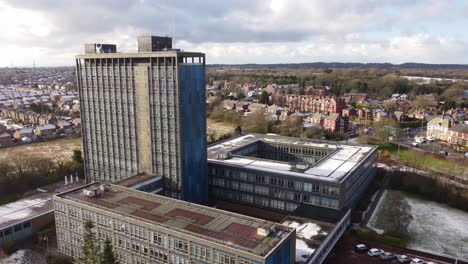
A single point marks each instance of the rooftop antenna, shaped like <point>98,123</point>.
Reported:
<point>173,33</point>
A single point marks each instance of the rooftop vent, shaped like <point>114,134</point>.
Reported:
<point>104,187</point>
<point>91,192</point>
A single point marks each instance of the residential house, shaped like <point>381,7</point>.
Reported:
<point>379,115</point>
<point>396,97</point>
<point>46,131</point>
<point>458,135</point>
<point>76,122</point>
<point>26,132</point>
<point>66,126</point>
<point>230,104</point>
<point>47,119</point>
<point>311,104</point>
<point>336,123</point>
<point>400,116</point>
<point>5,139</point>
<point>349,111</point>
<point>316,118</point>
<point>359,98</point>
<point>365,113</point>
<point>438,127</point>
<point>319,91</point>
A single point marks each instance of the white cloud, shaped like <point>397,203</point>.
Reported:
<point>232,31</point>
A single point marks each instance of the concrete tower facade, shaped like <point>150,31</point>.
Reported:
<point>144,112</point>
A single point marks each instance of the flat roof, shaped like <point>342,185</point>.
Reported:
<point>29,208</point>
<point>137,179</point>
<point>164,53</point>
<point>334,167</point>
<point>214,225</point>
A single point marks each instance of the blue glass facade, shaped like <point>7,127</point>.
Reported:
<point>193,132</point>
<point>281,255</point>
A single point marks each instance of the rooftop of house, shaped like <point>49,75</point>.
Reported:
<point>463,128</point>
<point>337,162</point>
<point>229,229</point>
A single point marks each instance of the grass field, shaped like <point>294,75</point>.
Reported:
<point>418,159</point>
<point>59,149</point>
<point>219,129</point>
<point>435,227</point>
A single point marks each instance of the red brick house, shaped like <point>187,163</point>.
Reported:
<point>336,123</point>
<point>5,139</point>
<point>349,111</point>
<point>458,135</point>
<point>46,131</point>
<point>311,104</point>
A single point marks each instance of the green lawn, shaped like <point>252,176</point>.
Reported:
<point>424,161</point>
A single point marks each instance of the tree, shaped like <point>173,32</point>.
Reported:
<point>263,98</point>
<point>77,156</point>
<point>292,126</point>
<point>399,216</point>
<point>312,132</point>
<point>238,131</point>
<point>256,122</point>
<point>386,128</point>
<point>91,251</point>
<point>108,256</point>
<point>420,102</point>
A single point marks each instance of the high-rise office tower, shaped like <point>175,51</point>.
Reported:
<point>144,112</point>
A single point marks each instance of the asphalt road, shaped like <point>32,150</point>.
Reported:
<point>407,138</point>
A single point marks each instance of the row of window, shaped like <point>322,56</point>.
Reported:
<point>275,181</point>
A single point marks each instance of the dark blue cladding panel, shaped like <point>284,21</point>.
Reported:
<point>282,255</point>
<point>193,132</point>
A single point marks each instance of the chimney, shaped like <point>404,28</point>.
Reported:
<point>76,177</point>
<point>71,179</point>
<point>66,180</point>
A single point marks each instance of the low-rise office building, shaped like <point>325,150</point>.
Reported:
<point>149,228</point>
<point>290,174</point>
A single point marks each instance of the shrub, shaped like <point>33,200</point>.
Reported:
<point>385,239</point>
<point>8,247</point>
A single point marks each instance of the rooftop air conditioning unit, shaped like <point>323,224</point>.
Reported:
<point>263,231</point>
<point>302,166</point>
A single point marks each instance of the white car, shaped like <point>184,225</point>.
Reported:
<point>431,262</point>
<point>375,252</point>
<point>417,261</point>
<point>404,259</point>
<point>430,139</point>
<point>415,144</point>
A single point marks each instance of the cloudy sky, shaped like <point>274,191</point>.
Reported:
<point>51,32</point>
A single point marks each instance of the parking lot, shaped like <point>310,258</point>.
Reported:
<point>343,252</point>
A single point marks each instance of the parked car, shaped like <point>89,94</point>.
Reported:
<point>417,261</point>
<point>387,256</point>
<point>361,248</point>
<point>404,259</point>
<point>430,139</point>
<point>431,262</point>
<point>415,144</point>
<point>375,252</point>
